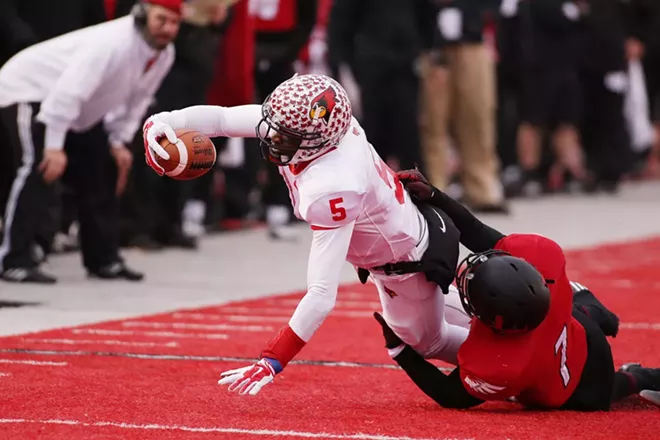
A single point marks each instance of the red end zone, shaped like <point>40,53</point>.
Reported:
<point>155,377</point>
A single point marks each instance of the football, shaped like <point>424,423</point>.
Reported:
<point>192,159</point>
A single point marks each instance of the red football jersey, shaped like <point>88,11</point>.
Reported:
<point>541,367</point>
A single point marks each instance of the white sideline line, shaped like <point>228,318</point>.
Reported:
<point>184,357</point>
<point>100,331</point>
<point>257,432</point>
<point>30,362</point>
<point>233,318</point>
<point>289,311</point>
<point>170,344</point>
<point>184,325</point>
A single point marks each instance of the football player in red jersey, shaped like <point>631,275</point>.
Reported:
<point>535,336</point>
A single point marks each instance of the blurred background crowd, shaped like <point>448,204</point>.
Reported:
<point>492,99</point>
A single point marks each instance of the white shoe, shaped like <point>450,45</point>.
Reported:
<point>651,396</point>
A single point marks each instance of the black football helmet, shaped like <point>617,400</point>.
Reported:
<point>504,292</point>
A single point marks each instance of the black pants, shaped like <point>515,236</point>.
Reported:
<point>551,98</point>
<point>604,133</point>
<point>8,167</point>
<point>27,200</point>
<point>390,107</point>
<point>594,392</point>
<point>91,174</point>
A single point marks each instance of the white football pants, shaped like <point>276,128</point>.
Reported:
<point>432,323</point>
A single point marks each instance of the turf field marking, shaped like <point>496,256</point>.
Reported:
<point>35,363</point>
<point>367,305</point>
<point>106,332</point>
<point>186,325</point>
<point>233,318</point>
<point>289,311</point>
<point>170,344</point>
<point>177,357</point>
<point>214,429</point>
<point>640,325</point>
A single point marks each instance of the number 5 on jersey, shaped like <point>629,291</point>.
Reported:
<point>338,212</point>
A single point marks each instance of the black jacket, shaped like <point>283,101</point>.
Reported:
<point>379,36</point>
<point>604,34</point>
<point>555,37</point>
<point>641,20</point>
<point>284,47</point>
<point>474,14</point>
<point>26,22</point>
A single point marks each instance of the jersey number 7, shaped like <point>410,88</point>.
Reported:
<point>561,346</point>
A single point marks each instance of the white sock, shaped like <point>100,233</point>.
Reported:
<point>193,218</point>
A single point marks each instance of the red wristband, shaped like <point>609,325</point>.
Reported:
<point>284,346</point>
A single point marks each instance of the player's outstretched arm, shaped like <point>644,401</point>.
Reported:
<point>475,235</point>
<point>447,390</point>
<point>213,121</point>
<point>327,256</point>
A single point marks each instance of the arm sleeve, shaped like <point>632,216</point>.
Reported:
<point>447,390</point>
<point>326,258</point>
<point>332,218</point>
<point>475,235</point>
<point>123,124</point>
<point>214,121</point>
<point>75,86</point>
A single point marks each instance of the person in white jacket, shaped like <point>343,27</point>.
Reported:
<point>78,99</point>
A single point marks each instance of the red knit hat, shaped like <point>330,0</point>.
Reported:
<point>172,5</point>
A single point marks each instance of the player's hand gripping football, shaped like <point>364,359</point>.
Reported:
<point>153,131</point>
<point>416,184</point>
<point>249,380</point>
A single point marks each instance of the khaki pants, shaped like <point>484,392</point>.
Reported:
<point>462,96</point>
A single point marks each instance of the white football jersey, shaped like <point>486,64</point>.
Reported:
<point>352,183</point>
<point>355,204</point>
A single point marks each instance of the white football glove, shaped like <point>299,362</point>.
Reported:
<point>248,380</point>
<point>153,131</point>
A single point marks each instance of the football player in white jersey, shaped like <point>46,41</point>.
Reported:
<point>357,208</point>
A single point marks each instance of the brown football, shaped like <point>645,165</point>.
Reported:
<point>191,162</point>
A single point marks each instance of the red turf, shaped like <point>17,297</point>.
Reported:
<point>179,399</point>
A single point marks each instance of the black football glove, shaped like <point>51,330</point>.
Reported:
<point>391,339</point>
<point>418,187</point>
